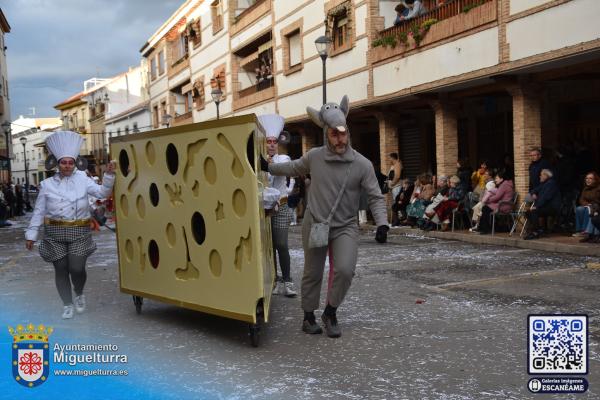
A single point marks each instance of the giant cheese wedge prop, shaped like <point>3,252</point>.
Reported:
<point>191,228</point>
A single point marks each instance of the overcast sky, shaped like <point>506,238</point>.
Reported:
<point>55,45</point>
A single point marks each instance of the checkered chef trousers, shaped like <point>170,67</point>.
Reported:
<point>283,217</point>
<point>62,240</point>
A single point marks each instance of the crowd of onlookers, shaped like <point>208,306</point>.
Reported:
<point>563,195</point>
<point>13,203</point>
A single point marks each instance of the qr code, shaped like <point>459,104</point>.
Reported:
<point>557,344</point>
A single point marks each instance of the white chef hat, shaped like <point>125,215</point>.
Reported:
<point>272,124</point>
<point>64,144</point>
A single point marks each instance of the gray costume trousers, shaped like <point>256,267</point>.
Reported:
<point>343,242</point>
<point>280,223</point>
<point>74,267</point>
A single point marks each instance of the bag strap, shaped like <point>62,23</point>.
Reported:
<point>339,198</point>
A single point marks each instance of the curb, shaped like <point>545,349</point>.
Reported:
<point>542,245</point>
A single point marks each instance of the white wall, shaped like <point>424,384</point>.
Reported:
<point>516,6</point>
<point>555,28</point>
<point>464,55</point>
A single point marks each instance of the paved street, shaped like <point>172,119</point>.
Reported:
<point>425,319</point>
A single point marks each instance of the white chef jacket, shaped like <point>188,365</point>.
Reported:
<point>66,198</point>
<point>279,182</point>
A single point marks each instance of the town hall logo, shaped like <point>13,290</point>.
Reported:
<point>30,354</point>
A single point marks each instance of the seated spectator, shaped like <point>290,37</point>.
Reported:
<point>478,180</point>
<point>501,200</point>
<point>464,172</point>
<point>490,189</point>
<point>439,195</point>
<point>401,202</point>
<point>443,211</point>
<point>421,196</point>
<point>401,13</point>
<point>589,195</point>
<point>547,203</point>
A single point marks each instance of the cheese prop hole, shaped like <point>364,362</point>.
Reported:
<point>171,235</point>
<point>150,153</point>
<point>172,159</point>
<point>154,196</point>
<point>210,170</point>
<point>141,207</point>
<point>124,162</point>
<point>236,166</point>
<point>153,254</point>
<point>124,205</point>
<point>215,263</point>
<point>239,203</point>
<point>198,228</point>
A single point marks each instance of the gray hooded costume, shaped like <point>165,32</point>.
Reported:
<point>328,170</point>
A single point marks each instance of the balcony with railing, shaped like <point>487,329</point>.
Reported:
<point>253,74</point>
<point>439,22</point>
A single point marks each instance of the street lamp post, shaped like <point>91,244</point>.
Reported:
<point>7,128</point>
<point>323,44</point>
<point>23,141</point>
<point>217,94</point>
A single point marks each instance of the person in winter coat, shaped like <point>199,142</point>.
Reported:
<point>501,200</point>
<point>547,203</point>
<point>589,195</point>
<point>536,167</point>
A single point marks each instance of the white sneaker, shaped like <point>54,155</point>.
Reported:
<point>288,289</point>
<point>80,303</point>
<point>279,288</point>
<point>67,312</point>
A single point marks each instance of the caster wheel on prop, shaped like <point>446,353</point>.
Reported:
<point>138,301</point>
<point>255,328</point>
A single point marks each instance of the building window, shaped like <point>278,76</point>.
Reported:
<point>155,116</point>
<point>135,127</point>
<point>194,32</point>
<point>181,99</point>
<point>216,11</point>
<point>119,132</point>
<point>198,93</point>
<point>218,80</point>
<point>161,62</point>
<point>163,110</point>
<point>340,31</point>
<point>295,50</point>
<point>127,129</point>
<point>339,20</point>
<point>292,47</point>
<point>183,48</point>
<point>153,68</point>
<point>178,49</point>
<point>243,5</point>
<point>255,71</point>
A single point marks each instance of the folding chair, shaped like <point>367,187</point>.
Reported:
<point>520,217</point>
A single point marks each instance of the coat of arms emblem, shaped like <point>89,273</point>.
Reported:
<point>30,354</point>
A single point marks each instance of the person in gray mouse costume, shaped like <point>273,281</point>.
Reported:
<point>339,174</point>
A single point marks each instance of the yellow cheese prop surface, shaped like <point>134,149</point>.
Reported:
<point>191,228</point>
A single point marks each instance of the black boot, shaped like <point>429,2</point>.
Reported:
<point>309,325</point>
<point>330,320</point>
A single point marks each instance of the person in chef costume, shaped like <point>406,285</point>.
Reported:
<point>62,212</point>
